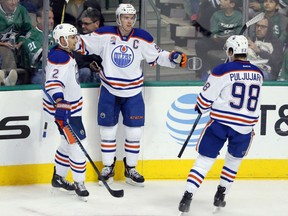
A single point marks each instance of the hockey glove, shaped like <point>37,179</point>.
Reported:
<point>62,113</point>
<point>197,109</point>
<point>94,67</point>
<point>178,58</point>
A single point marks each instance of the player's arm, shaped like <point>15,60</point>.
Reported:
<point>89,44</point>
<point>155,55</point>
<point>210,92</point>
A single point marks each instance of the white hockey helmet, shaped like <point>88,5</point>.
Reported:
<point>125,9</point>
<point>63,30</point>
<point>238,44</point>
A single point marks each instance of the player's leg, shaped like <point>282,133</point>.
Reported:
<point>132,149</point>
<point>108,150</point>
<point>238,145</point>
<point>133,119</point>
<point>108,114</point>
<point>210,143</point>
<point>77,158</point>
<point>62,167</point>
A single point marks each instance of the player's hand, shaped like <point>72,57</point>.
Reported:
<point>62,113</point>
<point>197,109</point>
<point>178,58</point>
<point>94,67</point>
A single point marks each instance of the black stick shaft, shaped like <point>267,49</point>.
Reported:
<point>190,134</point>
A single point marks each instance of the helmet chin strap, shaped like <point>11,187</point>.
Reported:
<point>65,47</point>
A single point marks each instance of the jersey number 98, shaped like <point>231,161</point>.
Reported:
<point>239,93</point>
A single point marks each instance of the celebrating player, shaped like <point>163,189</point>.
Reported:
<point>122,49</point>
<point>63,87</point>
<point>232,95</point>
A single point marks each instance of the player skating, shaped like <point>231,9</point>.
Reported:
<point>122,49</point>
<point>63,87</point>
<point>232,95</point>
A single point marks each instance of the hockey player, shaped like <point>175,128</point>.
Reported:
<point>63,87</point>
<point>232,95</point>
<point>122,49</point>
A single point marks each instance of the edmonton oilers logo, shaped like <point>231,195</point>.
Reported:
<point>181,117</point>
<point>122,56</point>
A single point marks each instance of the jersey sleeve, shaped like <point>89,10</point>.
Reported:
<point>155,55</point>
<point>210,92</point>
<point>57,71</point>
<point>89,44</point>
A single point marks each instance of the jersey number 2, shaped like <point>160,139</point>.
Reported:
<point>239,93</point>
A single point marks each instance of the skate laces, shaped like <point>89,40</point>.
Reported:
<point>107,170</point>
<point>133,173</point>
<point>64,181</point>
<point>81,186</point>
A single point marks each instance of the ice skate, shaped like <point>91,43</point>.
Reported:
<point>219,201</point>
<point>11,79</point>
<point>108,173</point>
<point>132,176</point>
<point>81,191</point>
<point>59,183</point>
<point>184,205</point>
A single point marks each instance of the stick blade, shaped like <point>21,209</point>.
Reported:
<point>255,19</point>
<point>117,193</point>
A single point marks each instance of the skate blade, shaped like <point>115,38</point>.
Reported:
<point>131,182</point>
<point>109,181</point>
<point>55,191</point>
<point>84,199</point>
<point>181,214</point>
<point>216,210</point>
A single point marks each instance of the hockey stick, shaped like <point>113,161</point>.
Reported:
<point>190,134</point>
<point>250,22</point>
<point>114,193</point>
<point>63,11</point>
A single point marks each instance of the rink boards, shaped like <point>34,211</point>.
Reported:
<point>26,157</point>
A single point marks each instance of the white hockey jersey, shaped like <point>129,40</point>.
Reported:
<point>232,93</point>
<point>122,74</point>
<point>62,79</point>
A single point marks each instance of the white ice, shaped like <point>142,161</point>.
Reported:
<point>157,198</point>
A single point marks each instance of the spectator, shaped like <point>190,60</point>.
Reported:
<point>15,23</point>
<point>31,5</point>
<point>95,4</point>
<point>266,47</point>
<point>278,21</point>
<point>223,23</point>
<point>74,9</point>
<point>283,75</point>
<point>32,47</point>
<point>90,21</point>
<point>206,9</point>
<point>57,8</point>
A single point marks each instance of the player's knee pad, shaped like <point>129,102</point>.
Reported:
<point>133,133</point>
<point>232,162</point>
<point>64,146</point>
<point>108,133</point>
<point>204,163</point>
<point>76,153</point>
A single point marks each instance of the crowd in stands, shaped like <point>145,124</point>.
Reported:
<point>21,41</point>
<point>267,38</point>
<point>22,35</point>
